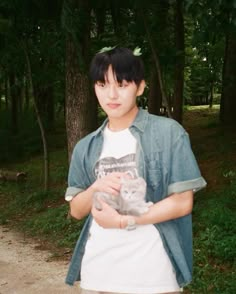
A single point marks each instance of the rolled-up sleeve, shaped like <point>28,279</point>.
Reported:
<point>76,179</point>
<point>184,171</point>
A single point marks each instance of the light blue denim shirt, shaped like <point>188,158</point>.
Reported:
<point>166,162</point>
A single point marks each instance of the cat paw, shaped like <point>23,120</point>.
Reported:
<point>144,210</point>
<point>149,204</point>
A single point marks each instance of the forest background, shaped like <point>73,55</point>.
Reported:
<point>47,104</point>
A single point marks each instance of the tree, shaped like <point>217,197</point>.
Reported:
<point>79,103</point>
<point>25,20</point>
<point>228,98</point>
<point>39,119</point>
<point>155,94</point>
<point>157,64</point>
<point>180,62</point>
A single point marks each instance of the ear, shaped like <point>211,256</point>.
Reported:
<point>142,181</point>
<point>141,88</point>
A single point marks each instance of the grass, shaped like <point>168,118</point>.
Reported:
<point>44,214</point>
<point>214,215</point>
<point>214,242</point>
<point>35,212</point>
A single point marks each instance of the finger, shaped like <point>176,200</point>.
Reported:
<point>95,212</point>
<point>114,184</point>
<point>110,187</point>
<point>117,175</point>
<point>103,203</point>
<point>113,191</point>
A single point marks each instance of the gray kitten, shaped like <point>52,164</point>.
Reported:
<point>131,199</point>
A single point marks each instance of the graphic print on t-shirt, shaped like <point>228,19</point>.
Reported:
<point>108,165</point>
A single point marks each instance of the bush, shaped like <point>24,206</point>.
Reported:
<point>214,242</point>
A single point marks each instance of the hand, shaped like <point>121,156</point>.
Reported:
<point>108,217</point>
<point>109,184</point>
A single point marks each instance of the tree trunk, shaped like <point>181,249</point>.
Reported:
<point>116,15</point>
<point>27,97</point>
<point>228,96</point>
<point>80,105</point>
<point>211,96</point>
<point>45,101</point>
<point>39,119</point>
<point>14,103</point>
<point>1,92</point>
<point>6,92</point>
<point>157,64</point>
<point>179,67</point>
<point>155,97</point>
<point>20,94</point>
<point>100,13</point>
<point>77,99</point>
<point>51,107</point>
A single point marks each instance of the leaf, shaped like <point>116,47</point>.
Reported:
<point>106,49</point>
<point>137,51</point>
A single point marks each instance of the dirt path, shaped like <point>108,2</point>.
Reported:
<point>25,270</point>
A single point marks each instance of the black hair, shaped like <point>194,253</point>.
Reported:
<point>125,66</point>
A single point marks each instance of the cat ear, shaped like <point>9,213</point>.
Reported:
<point>129,175</point>
<point>142,181</point>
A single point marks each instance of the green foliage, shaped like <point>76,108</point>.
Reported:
<point>27,142</point>
<point>39,213</point>
<point>54,224</point>
<point>215,242</point>
<point>204,50</point>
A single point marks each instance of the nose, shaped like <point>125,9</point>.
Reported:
<point>113,93</point>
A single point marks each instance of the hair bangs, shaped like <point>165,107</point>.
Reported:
<point>125,70</point>
<point>99,68</point>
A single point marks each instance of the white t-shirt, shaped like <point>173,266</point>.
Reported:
<point>118,260</point>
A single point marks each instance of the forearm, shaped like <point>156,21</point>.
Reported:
<point>172,207</point>
<point>81,204</point>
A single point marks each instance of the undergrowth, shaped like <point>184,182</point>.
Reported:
<point>214,230</point>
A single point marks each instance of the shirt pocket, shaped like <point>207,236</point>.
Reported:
<point>153,172</point>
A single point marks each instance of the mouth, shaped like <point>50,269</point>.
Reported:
<point>113,105</point>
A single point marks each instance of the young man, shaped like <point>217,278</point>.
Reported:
<point>146,254</point>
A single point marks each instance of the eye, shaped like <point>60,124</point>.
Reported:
<point>100,84</point>
<point>123,84</point>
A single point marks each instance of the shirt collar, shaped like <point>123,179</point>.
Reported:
<point>140,120</point>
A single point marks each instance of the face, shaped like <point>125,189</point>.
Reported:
<point>118,100</point>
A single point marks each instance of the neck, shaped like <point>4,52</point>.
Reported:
<point>119,124</point>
